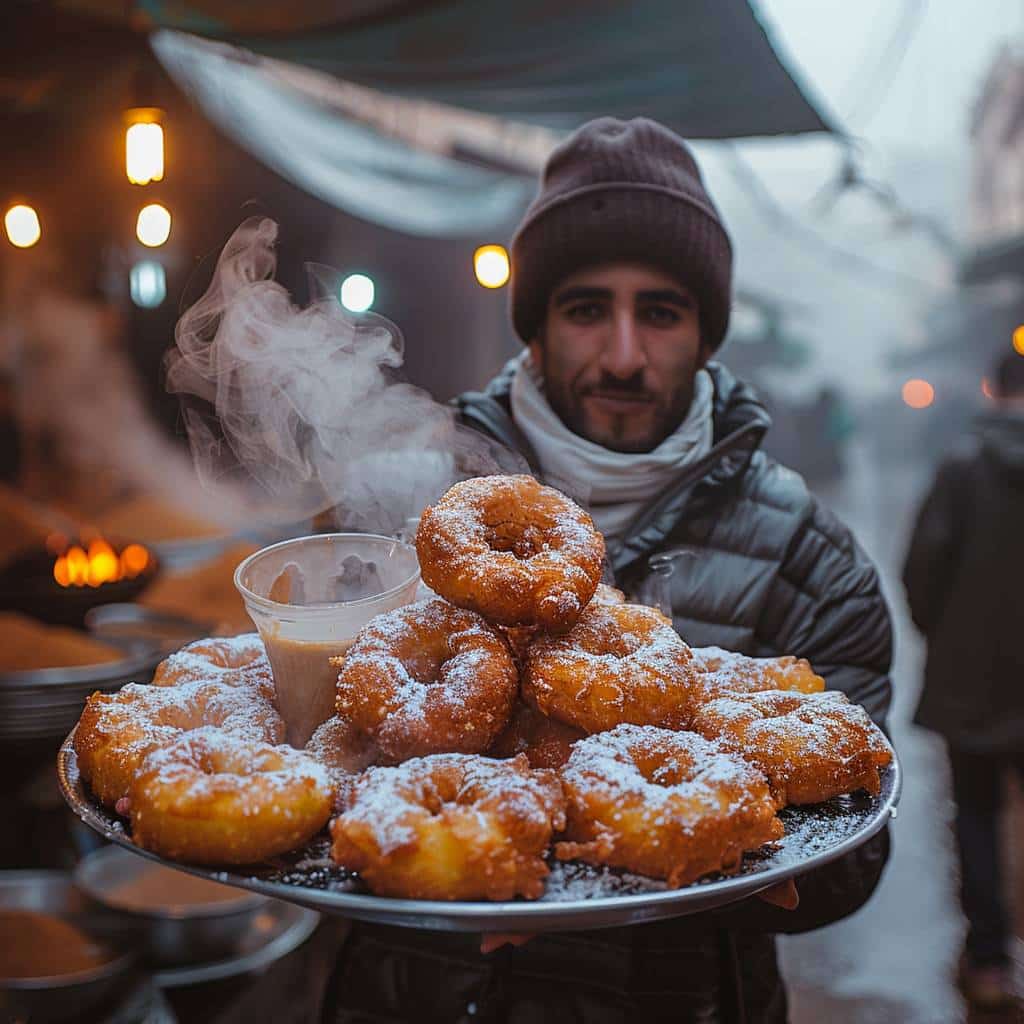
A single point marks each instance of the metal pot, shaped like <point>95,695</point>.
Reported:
<point>64,997</point>
<point>170,935</point>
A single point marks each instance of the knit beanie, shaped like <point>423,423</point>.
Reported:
<point>622,192</point>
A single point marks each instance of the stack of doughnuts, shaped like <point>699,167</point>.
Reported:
<point>527,710</point>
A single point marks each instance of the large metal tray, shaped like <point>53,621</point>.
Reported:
<point>578,896</point>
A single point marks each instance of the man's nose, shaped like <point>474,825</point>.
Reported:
<point>624,355</point>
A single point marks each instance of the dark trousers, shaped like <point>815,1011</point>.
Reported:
<point>979,789</point>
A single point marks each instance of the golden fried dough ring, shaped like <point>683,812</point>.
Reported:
<point>450,827</point>
<point>343,751</point>
<point>608,595</point>
<point>427,678</point>
<point>812,747</point>
<point>233,661</point>
<point>117,730</point>
<point>724,673</point>
<point>546,742</point>
<point>619,663</point>
<point>213,798</point>
<point>514,551</point>
<point>665,804</point>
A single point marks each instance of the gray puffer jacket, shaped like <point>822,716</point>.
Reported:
<point>771,572</point>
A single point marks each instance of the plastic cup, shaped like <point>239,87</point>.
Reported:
<point>295,594</point>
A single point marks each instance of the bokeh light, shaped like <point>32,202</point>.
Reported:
<point>491,265</point>
<point>22,225</point>
<point>154,225</point>
<point>144,153</point>
<point>148,283</point>
<point>357,293</point>
<point>918,394</point>
<point>1018,340</point>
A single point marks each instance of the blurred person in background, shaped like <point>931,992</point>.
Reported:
<point>963,577</point>
<point>621,290</point>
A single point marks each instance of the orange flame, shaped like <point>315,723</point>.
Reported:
<point>99,564</point>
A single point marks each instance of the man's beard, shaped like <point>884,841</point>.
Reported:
<point>567,404</point>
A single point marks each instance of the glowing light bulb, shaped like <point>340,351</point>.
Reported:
<point>148,283</point>
<point>144,146</point>
<point>918,394</point>
<point>154,225</point>
<point>357,293</point>
<point>22,225</point>
<point>491,265</point>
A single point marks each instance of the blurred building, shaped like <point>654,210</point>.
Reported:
<point>965,329</point>
<point>996,201</point>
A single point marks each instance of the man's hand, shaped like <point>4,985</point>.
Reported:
<point>495,940</point>
<point>783,895</point>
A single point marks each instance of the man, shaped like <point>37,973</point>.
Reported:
<point>621,291</point>
<point>963,575</point>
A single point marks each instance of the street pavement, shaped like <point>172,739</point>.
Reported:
<point>895,960</point>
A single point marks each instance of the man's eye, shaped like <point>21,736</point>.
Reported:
<point>584,312</point>
<point>661,316</point>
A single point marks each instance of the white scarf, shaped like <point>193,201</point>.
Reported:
<point>614,486</point>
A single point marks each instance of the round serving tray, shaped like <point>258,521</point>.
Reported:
<point>578,896</point>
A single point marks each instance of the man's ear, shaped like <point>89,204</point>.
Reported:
<point>536,348</point>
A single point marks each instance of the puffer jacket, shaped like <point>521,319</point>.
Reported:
<point>962,576</point>
<point>765,570</point>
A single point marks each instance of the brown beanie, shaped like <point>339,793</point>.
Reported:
<point>622,192</point>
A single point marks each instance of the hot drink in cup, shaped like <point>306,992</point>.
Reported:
<point>309,598</point>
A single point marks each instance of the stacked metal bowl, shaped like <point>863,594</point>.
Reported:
<point>45,703</point>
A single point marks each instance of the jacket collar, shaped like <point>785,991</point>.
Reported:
<point>739,422</point>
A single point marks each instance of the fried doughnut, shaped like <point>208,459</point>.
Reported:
<point>233,661</point>
<point>117,730</point>
<point>214,798</point>
<point>724,673</point>
<point>546,742</point>
<point>516,552</point>
<point>665,804</point>
<point>427,678</point>
<point>619,663</point>
<point>451,827</point>
<point>812,747</point>
<point>608,595</point>
<point>343,751</point>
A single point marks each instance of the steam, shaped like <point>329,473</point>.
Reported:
<point>305,404</point>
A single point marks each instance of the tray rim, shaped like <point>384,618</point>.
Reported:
<point>508,916</point>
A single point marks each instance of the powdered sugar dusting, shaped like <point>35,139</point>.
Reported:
<point>723,672</point>
<point>656,766</point>
<point>208,762</point>
<point>809,831</point>
<point>392,801</point>
<point>231,661</point>
<point>515,550</point>
<point>426,678</point>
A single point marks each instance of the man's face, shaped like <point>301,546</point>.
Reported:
<point>619,351</point>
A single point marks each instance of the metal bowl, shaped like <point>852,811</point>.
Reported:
<point>27,585</point>
<point>45,703</point>
<point>64,997</point>
<point>169,935</point>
